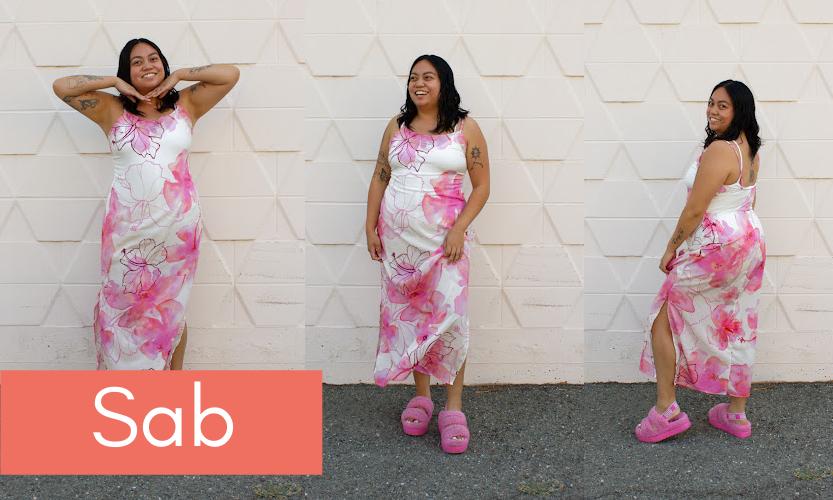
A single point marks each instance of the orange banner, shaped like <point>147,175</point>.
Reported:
<point>174,422</point>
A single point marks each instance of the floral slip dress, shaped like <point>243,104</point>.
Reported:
<point>423,321</point>
<point>149,243</point>
<point>713,294</point>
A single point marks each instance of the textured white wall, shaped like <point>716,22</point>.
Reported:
<point>650,67</point>
<point>518,67</point>
<point>247,303</point>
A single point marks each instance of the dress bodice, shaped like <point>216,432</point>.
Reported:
<point>729,198</point>
<point>426,155</point>
<point>134,140</point>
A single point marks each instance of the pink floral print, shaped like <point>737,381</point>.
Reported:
<point>142,135</point>
<point>410,148</point>
<point>142,186</point>
<point>141,262</point>
<point>405,201</point>
<point>149,244</point>
<point>178,194</point>
<point>406,269</point>
<point>713,295</point>
<point>442,210</point>
<point>423,318</point>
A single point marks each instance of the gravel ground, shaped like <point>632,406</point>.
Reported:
<point>526,440</point>
<point>792,431</point>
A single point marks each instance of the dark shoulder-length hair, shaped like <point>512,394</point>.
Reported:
<point>743,104</point>
<point>167,101</point>
<point>449,111</point>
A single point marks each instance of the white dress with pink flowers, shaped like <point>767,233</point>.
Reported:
<point>423,322</point>
<point>713,293</point>
<point>149,243</point>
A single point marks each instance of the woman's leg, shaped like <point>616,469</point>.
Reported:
<point>423,387</point>
<point>737,405</point>
<point>665,360</point>
<point>179,352</point>
<point>423,384</point>
<point>454,392</point>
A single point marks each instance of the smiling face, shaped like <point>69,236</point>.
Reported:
<point>424,85</point>
<point>146,68</point>
<point>720,111</point>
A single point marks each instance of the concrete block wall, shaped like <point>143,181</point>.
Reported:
<point>518,68</point>
<point>650,67</point>
<point>246,310</point>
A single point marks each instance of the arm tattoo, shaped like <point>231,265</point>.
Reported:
<point>384,167</point>
<point>68,99</point>
<point>194,87</point>
<point>73,82</point>
<point>198,69</point>
<point>88,103</point>
<point>678,238</point>
<point>475,156</point>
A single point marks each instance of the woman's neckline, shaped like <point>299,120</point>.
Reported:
<point>156,120</point>
<point>409,129</point>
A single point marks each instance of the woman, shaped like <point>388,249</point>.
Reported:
<point>151,233</point>
<point>417,227</point>
<point>707,309</point>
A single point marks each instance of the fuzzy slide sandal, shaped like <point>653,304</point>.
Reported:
<point>420,410</point>
<point>454,432</point>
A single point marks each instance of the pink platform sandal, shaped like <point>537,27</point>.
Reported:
<point>655,427</point>
<point>420,410</point>
<point>454,432</point>
<point>720,417</point>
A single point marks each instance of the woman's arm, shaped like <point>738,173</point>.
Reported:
<point>477,162</point>
<point>81,92</point>
<point>378,183</point>
<point>717,163</point>
<point>214,81</point>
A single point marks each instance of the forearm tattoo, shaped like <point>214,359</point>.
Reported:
<point>384,167</point>
<point>198,69</point>
<point>73,82</point>
<point>678,238</point>
<point>475,157</point>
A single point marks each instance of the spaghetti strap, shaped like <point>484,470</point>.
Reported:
<point>740,162</point>
<point>462,122</point>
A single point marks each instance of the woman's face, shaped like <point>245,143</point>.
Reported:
<point>424,84</point>
<point>146,69</point>
<point>720,112</point>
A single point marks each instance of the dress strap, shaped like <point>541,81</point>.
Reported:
<point>462,122</point>
<point>736,149</point>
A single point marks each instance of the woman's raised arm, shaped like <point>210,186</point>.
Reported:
<point>214,81</point>
<point>81,92</point>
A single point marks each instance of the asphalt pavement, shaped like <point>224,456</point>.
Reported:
<point>540,441</point>
<point>791,443</point>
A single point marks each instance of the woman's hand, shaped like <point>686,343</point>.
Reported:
<point>164,87</point>
<point>374,246</point>
<point>128,91</point>
<point>453,245</point>
<point>666,258</point>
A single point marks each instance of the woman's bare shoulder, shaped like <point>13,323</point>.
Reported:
<point>718,151</point>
